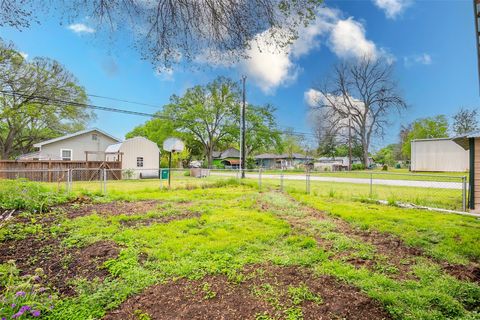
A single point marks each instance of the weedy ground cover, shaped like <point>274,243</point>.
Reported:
<point>224,249</point>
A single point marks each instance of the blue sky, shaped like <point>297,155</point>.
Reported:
<point>431,42</point>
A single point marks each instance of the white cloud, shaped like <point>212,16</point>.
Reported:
<point>24,55</point>
<point>392,8</point>
<point>424,59</point>
<point>348,40</point>
<point>80,28</point>
<point>270,67</point>
<point>312,97</point>
<point>309,37</point>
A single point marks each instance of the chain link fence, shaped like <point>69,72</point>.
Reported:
<point>408,189</point>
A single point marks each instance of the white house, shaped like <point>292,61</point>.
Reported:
<point>138,153</point>
<point>73,147</point>
<point>440,154</point>
<point>336,163</point>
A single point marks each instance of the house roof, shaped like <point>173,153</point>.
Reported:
<point>282,156</point>
<point>230,153</point>
<point>37,155</point>
<point>38,145</point>
<point>267,156</point>
<point>30,155</point>
<point>116,146</point>
<point>462,140</point>
<point>431,139</point>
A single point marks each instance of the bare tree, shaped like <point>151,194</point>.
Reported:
<point>363,91</point>
<point>327,134</point>
<point>15,13</point>
<point>167,31</point>
<point>465,120</point>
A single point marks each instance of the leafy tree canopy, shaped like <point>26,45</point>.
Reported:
<point>207,118</point>
<point>386,155</point>
<point>30,102</point>
<point>425,128</point>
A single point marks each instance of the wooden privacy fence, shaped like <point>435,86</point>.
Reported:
<point>57,170</point>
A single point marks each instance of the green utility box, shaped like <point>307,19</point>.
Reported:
<point>164,174</point>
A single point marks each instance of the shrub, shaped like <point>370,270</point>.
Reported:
<point>23,296</point>
<point>358,166</point>
<point>23,194</point>
<point>128,174</point>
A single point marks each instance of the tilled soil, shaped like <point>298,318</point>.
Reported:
<point>59,264</point>
<point>214,297</point>
<point>110,208</point>
<point>398,254</point>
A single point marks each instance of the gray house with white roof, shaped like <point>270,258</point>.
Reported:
<point>74,147</point>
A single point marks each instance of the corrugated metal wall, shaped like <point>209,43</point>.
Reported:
<point>438,155</point>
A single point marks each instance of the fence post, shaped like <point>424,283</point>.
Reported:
<point>371,185</point>
<point>307,180</point>
<point>105,181</point>
<point>464,193</point>
<point>281,182</point>
<point>70,182</point>
<point>260,179</point>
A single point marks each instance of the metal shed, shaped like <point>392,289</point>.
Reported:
<point>440,155</point>
<point>139,154</point>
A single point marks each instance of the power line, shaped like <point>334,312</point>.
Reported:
<point>130,112</point>
<point>123,100</point>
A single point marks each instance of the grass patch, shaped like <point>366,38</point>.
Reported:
<point>449,237</point>
<point>236,226</point>
<point>22,194</point>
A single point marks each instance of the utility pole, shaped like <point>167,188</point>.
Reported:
<point>243,153</point>
<point>476,11</point>
<point>349,143</point>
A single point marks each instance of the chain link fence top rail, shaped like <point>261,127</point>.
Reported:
<point>436,191</point>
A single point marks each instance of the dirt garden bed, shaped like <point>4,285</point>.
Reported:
<point>266,290</point>
<point>83,208</point>
<point>60,264</point>
<point>390,248</point>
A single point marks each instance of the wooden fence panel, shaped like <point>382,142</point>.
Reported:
<point>56,170</point>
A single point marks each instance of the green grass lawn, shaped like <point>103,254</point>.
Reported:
<point>391,174</point>
<point>430,197</point>
<point>218,228</point>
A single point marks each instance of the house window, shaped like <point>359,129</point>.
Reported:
<point>94,137</point>
<point>139,162</point>
<point>66,154</point>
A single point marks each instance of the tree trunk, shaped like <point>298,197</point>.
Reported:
<point>209,151</point>
<point>365,157</point>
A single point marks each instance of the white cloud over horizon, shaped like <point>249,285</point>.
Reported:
<point>80,28</point>
<point>423,59</point>
<point>271,67</point>
<point>392,8</point>
<point>312,97</point>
